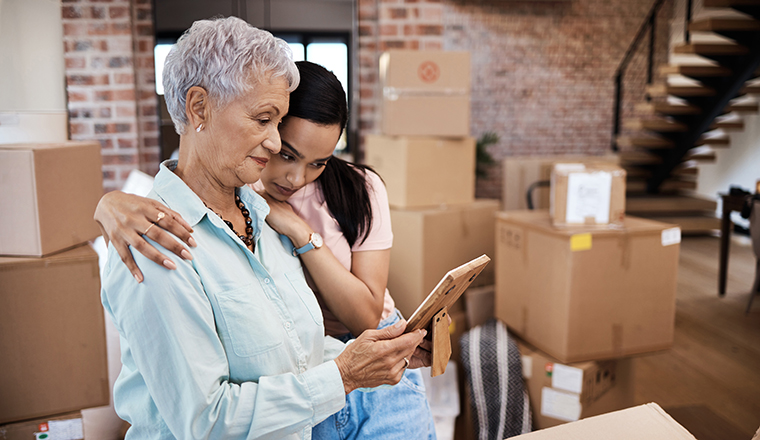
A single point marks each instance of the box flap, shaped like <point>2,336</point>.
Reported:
<point>426,70</point>
<point>540,220</point>
<point>645,422</point>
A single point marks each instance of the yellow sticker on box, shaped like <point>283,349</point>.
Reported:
<point>580,242</point>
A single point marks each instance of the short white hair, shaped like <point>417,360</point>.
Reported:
<point>219,55</point>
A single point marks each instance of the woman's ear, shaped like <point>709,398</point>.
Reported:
<point>196,107</point>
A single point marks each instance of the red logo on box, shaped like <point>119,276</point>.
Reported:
<point>429,72</point>
<point>43,427</point>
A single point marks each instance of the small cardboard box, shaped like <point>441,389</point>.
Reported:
<point>479,304</point>
<point>52,335</point>
<point>67,426</point>
<point>48,195</point>
<point>561,393</point>
<point>587,294</point>
<point>424,171</point>
<point>587,194</point>
<point>425,93</point>
<point>520,172</point>
<point>427,243</point>
<point>644,422</point>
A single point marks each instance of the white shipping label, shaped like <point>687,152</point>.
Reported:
<point>569,167</point>
<point>588,195</point>
<point>567,378</point>
<point>671,236</point>
<point>560,405</point>
<point>65,429</point>
<point>527,366</point>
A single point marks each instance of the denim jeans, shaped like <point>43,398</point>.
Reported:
<point>397,412</point>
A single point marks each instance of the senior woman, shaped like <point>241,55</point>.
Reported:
<point>231,344</point>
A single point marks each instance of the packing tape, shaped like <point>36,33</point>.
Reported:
<point>394,93</point>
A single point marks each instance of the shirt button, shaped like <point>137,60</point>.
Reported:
<point>287,325</point>
<point>266,280</point>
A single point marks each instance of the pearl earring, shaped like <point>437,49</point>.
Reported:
<point>198,130</point>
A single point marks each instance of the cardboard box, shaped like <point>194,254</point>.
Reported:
<point>63,427</point>
<point>587,194</point>
<point>587,294</point>
<point>424,171</point>
<point>561,393</point>
<point>425,93</point>
<point>644,422</point>
<point>52,335</point>
<point>520,172</point>
<point>48,195</point>
<point>479,304</point>
<point>427,243</point>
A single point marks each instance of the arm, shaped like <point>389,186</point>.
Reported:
<point>355,297</point>
<point>169,328</point>
<point>123,218</point>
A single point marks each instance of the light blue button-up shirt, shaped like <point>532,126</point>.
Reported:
<point>231,344</point>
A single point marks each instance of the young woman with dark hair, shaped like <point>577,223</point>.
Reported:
<point>336,215</point>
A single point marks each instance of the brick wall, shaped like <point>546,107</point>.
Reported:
<point>542,72</point>
<point>108,50</point>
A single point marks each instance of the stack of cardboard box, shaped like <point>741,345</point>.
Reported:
<point>52,333</point>
<point>426,157</point>
<point>583,287</point>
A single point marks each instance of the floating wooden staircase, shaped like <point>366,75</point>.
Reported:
<point>682,124</point>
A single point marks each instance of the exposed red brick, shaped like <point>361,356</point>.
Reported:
<point>69,12</point>
<point>118,12</point>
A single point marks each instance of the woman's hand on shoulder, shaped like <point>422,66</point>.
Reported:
<point>125,218</point>
<point>379,357</point>
<point>285,221</point>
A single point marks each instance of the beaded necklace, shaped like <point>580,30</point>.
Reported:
<point>248,237</point>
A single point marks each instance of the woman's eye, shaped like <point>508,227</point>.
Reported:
<point>286,156</point>
<point>264,121</point>
<point>318,164</point>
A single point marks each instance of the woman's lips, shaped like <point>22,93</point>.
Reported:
<point>261,161</point>
<point>284,191</point>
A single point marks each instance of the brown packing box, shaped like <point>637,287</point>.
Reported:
<point>561,393</point>
<point>67,426</point>
<point>52,335</point>
<point>587,294</point>
<point>427,243</point>
<point>479,304</point>
<point>587,194</point>
<point>424,171</point>
<point>644,422</point>
<point>520,172</point>
<point>48,194</point>
<point>425,93</point>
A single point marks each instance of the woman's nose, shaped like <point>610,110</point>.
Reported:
<point>273,143</point>
<point>296,176</point>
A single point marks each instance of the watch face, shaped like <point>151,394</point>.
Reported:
<point>317,240</point>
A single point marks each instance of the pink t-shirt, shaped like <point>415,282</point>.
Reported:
<point>310,205</point>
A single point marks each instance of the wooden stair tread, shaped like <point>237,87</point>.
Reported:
<point>727,125</point>
<point>644,142</point>
<point>714,141</point>
<point>659,90</point>
<point>754,88</point>
<point>660,125</point>
<point>669,185</point>
<point>743,107</point>
<point>638,157</point>
<point>711,49</point>
<point>667,108</point>
<point>697,70</point>
<point>724,24</point>
<point>670,204</point>
<point>729,3</point>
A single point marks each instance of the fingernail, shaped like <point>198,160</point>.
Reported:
<point>137,276</point>
<point>192,242</point>
<point>424,332</point>
<point>169,264</point>
<point>397,325</point>
<point>186,255</point>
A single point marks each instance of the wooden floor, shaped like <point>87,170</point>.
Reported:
<point>710,380</point>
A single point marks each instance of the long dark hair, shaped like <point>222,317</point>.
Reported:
<point>319,98</point>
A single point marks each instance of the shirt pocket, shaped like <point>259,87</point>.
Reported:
<point>251,324</point>
<point>304,292</point>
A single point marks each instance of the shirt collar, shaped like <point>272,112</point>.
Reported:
<point>175,193</point>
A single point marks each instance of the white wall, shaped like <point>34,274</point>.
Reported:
<point>32,78</point>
